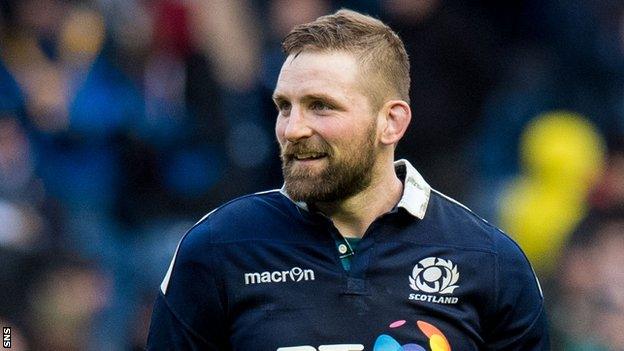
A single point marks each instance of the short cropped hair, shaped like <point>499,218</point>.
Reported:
<point>378,49</point>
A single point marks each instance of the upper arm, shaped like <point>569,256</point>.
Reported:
<point>518,319</point>
<point>188,313</point>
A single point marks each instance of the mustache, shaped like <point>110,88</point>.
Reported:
<point>291,149</point>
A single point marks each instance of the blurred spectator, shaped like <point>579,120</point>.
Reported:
<point>22,227</point>
<point>281,19</point>
<point>526,88</point>
<point>589,313</point>
<point>63,303</point>
<point>569,58</point>
<point>228,32</point>
<point>454,62</point>
<point>609,191</point>
<point>17,173</point>
<point>562,156</point>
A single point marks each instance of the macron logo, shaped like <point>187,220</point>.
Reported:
<point>295,274</point>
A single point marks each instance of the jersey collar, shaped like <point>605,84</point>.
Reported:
<point>416,191</point>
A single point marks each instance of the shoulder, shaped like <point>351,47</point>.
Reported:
<point>243,217</point>
<point>455,223</point>
<point>469,231</point>
<point>230,222</point>
<point>457,226</point>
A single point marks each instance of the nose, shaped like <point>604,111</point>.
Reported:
<point>297,126</point>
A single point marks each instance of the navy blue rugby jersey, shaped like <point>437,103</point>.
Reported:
<point>263,273</point>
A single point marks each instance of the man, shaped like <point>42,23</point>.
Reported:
<point>355,252</point>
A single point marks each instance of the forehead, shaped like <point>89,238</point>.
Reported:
<point>335,73</point>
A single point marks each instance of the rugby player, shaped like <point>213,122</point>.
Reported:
<point>356,251</point>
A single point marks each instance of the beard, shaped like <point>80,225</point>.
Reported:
<point>340,178</point>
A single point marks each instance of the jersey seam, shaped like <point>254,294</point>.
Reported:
<point>179,320</point>
<point>298,243</point>
<point>497,283</point>
<point>484,250</point>
<point>221,294</point>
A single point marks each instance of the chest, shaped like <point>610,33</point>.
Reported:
<point>396,296</point>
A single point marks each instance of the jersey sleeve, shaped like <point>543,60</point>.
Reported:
<point>188,313</point>
<point>517,320</point>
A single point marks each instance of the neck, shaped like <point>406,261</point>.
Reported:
<point>353,215</point>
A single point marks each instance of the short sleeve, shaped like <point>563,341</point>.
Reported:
<point>188,313</point>
<point>517,320</point>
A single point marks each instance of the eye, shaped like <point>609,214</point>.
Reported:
<point>318,105</point>
<point>283,107</point>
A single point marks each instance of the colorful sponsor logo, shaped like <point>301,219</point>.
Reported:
<point>385,342</point>
<point>437,340</point>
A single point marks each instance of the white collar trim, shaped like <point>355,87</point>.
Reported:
<point>416,191</point>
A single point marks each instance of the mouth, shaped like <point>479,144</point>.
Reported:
<point>308,156</point>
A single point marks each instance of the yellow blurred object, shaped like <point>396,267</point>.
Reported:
<point>561,154</point>
<point>561,147</point>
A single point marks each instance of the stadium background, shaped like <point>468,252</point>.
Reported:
<point>122,122</point>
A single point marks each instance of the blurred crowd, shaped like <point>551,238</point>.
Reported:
<point>122,122</point>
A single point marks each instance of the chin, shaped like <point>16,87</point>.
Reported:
<point>300,191</point>
<point>313,191</point>
<point>310,168</point>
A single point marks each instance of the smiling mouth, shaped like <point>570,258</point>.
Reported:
<point>310,156</point>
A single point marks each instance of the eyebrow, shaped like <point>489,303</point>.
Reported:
<point>309,97</point>
<point>278,97</point>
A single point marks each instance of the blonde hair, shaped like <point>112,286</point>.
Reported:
<point>378,48</point>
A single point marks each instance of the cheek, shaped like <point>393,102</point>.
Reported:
<point>347,135</point>
<point>337,129</point>
<point>280,127</point>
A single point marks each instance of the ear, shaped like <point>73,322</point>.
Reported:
<point>395,116</point>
